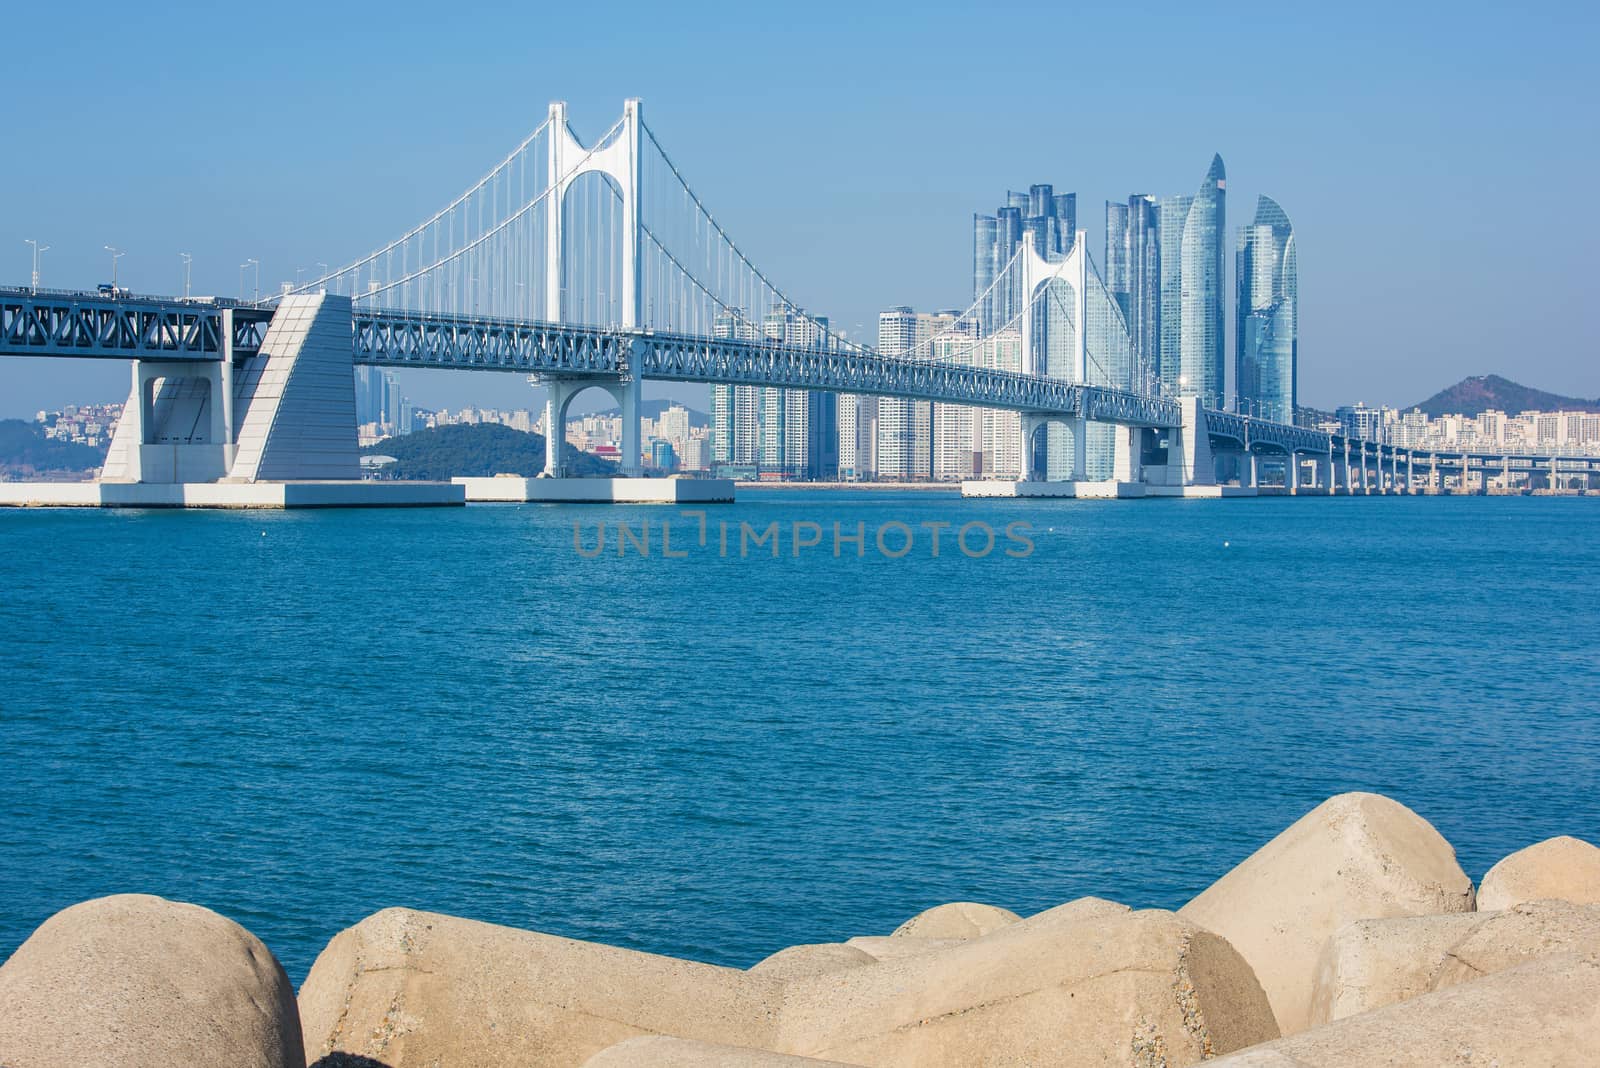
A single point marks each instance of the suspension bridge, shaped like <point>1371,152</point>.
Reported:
<point>599,266</point>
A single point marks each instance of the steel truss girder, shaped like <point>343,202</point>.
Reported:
<point>1283,437</point>
<point>120,328</point>
<point>405,339</point>
<point>758,363</point>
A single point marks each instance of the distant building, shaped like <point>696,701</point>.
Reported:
<point>904,438</point>
<point>1133,278</point>
<point>782,433</point>
<point>1052,219</point>
<point>1266,330</point>
<point>1359,421</point>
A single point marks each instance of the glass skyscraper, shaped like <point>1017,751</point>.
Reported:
<point>1201,350</point>
<point>1171,212</point>
<point>1133,278</point>
<point>1174,276</point>
<point>1052,219</point>
<point>1266,328</point>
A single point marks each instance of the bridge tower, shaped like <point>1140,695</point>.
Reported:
<point>1037,272</point>
<point>618,160</point>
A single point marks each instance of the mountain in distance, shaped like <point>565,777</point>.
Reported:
<point>26,453</point>
<point>471,450</point>
<point>652,409</point>
<point>1475,395</point>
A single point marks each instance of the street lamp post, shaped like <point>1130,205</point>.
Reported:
<point>38,250</point>
<point>188,264</point>
<point>257,291</point>
<point>116,254</point>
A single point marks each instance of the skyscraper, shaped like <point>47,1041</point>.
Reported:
<point>1176,316</point>
<point>1171,212</point>
<point>1266,327</point>
<point>1201,350</point>
<point>1052,219</point>
<point>788,433</point>
<point>1133,277</point>
<point>905,427</point>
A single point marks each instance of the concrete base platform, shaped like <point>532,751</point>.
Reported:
<point>599,490</point>
<point>1081,490</point>
<point>1199,491</point>
<point>352,494</point>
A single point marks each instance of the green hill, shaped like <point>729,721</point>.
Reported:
<point>476,450</point>
<point>25,452</point>
<point>1473,396</point>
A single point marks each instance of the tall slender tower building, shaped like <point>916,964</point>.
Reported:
<point>1133,278</point>
<point>1266,326</point>
<point>1202,346</point>
<point>1189,327</point>
<point>1171,213</point>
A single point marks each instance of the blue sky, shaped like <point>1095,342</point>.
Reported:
<point>1435,163</point>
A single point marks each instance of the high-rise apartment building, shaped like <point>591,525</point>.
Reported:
<point>785,433</point>
<point>1266,327</point>
<point>1052,220</point>
<point>904,439</point>
<point>1133,278</point>
<point>1177,318</point>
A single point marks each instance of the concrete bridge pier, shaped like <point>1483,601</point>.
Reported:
<point>1322,471</point>
<point>177,424</point>
<point>1128,450</point>
<point>559,394</point>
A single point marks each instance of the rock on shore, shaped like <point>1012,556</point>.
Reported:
<point>1564,868</point>
<point>1071,986</point>
<point>1372,963</point>
<point>1354,930</point>
<point>135,981</point>
<point>1545,1013</point>
<point>1353,857</point>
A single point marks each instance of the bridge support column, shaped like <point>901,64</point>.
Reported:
<point>1126,466</point>
<point>1248,475</point>
<point>558,395</point>
<point>1028,424</point>
<point>176,425</point>
<point>632,396</point>
<point>1291,472</point>
<point>1080,448</point>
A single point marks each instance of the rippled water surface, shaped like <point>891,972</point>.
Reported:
<point>297,719</point>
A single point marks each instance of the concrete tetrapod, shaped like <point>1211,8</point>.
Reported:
<point>411,989</point>
<point>659,1051</point>
<point>134,981</point>
<point>1067,987</point>
<point>1544,1013</point>
<point>811,960</point>
<point>1564,868</point>
<point>1353,857</point>
<point>959,919</point>
<point>1079,985</point>
<point>1372,963</point>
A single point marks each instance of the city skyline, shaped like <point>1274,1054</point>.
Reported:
<point>847,249</point>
